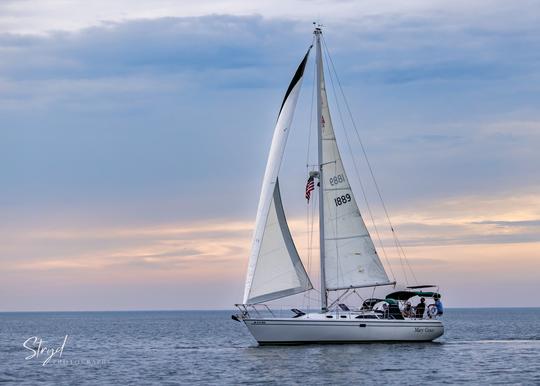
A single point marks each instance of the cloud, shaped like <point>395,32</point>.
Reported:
<point>176,258</point>
<point>469,221</point>
<point>235,46</point>
<point>418,262</point>
<point>395,48</point>
<point>134,137</point>
<point>456,221</point>
<point>143,88</point>
<point>510,224</point>
<point>185,247</point>
<point>41,17</point>
<point>445,71</point>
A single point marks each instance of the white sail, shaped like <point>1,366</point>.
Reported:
<point>275,269</point>
<point>350,258</point>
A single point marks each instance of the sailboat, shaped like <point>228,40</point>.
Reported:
<point>348,257</point>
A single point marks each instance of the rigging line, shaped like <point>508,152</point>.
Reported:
<point>357,294</point>
<point>306,294</point>
<point>315,205</point>
<point>315,196</point>
<point>341,297</point>
<point>347,296</point>
<point>311,219</point>
<point>308,297</point>
<point>308,235</point>
<point>357,171</point>
<point>397,242</point>
<point>308,253</point>
<point>313,89</point>
<point>405,256</point>
<point>400,248</point>
<point>309,224</point>
<point>338,269</point>
<point>310,231</point>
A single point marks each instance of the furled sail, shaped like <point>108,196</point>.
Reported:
<point>350,258</point>
<point>275,269</point>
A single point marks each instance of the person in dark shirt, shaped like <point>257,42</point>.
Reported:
<point>420,308</point>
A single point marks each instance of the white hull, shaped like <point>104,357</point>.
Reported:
<point>305,330</point>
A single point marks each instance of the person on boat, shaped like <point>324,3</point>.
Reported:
<point>420,308</point>
<point>385,310</point>
<point>407,310</point>
<point>439,305</point>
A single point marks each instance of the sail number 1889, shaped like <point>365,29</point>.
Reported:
<point>342,199</point>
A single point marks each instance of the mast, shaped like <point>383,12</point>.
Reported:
<point>320,80</point>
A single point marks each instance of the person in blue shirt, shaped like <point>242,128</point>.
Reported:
<point>439,305</point>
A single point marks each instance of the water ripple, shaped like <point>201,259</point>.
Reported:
<point>487,346</point>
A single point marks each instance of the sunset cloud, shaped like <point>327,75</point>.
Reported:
<point>453,235</point>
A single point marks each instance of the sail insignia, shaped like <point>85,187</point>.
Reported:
<point>296,78</point>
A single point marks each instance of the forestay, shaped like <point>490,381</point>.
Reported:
<point>275,269</point>
<point>350,258</point>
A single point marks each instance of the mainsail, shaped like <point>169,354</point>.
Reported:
<point>275,269</point>
<point>350,258</point>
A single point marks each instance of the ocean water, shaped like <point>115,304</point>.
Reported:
<point>481,346</point>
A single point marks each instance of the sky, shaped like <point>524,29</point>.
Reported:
<point>134,137</point>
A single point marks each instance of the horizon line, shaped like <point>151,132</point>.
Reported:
<point>223,309</point>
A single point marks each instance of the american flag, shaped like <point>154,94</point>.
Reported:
<point>310,186</point>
